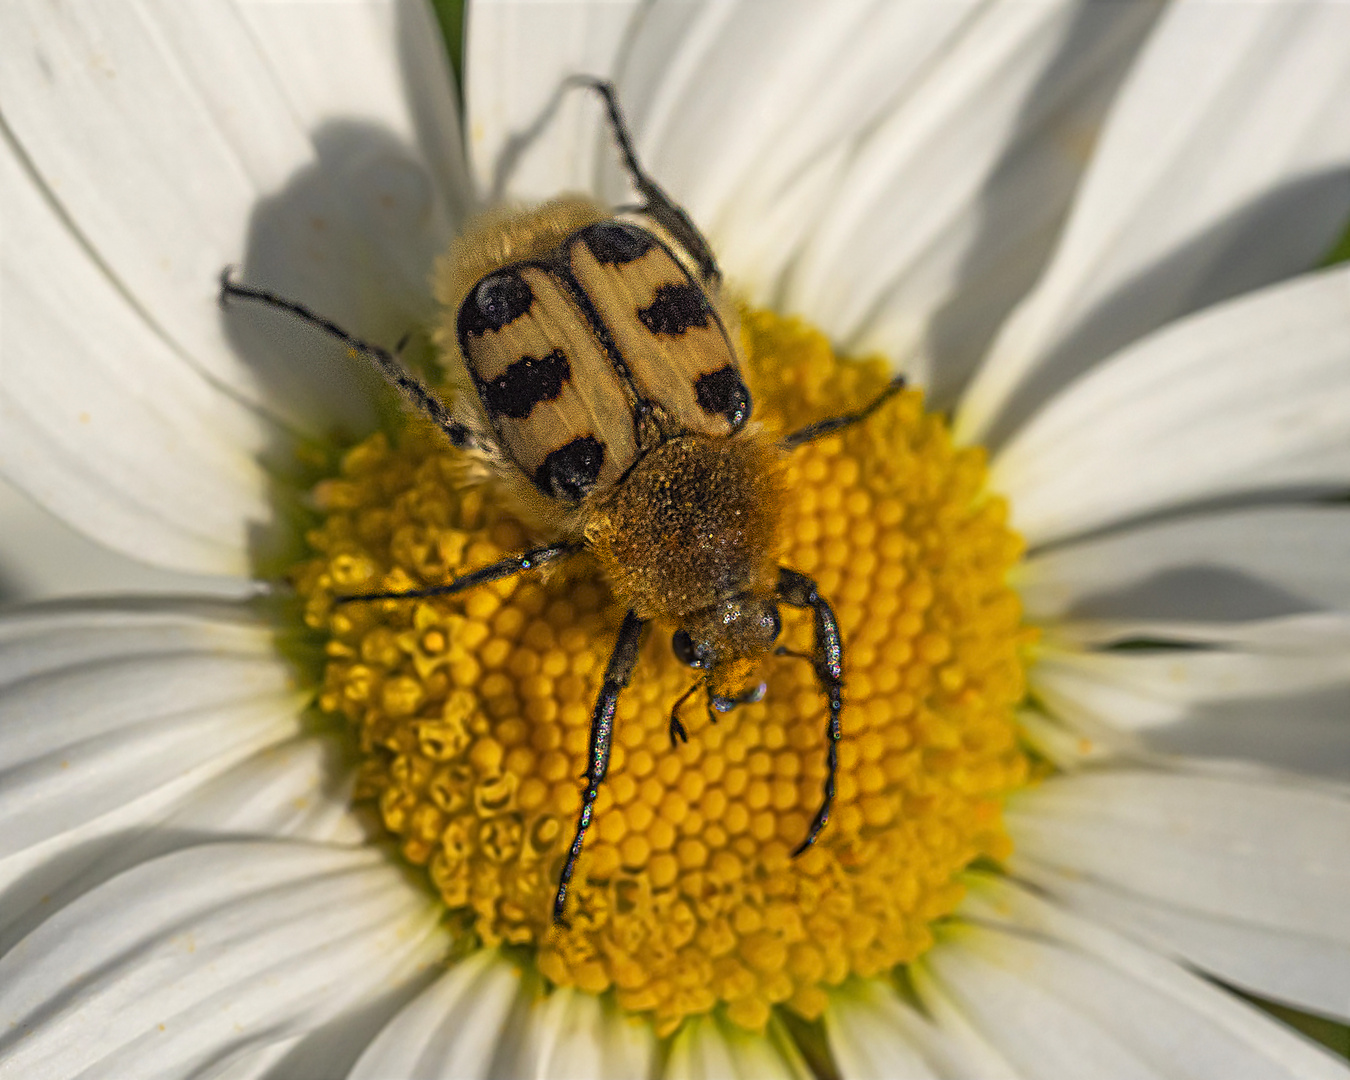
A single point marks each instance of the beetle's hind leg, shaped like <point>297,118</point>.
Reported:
<point>829,426</point>
<point>617,674</point>
<point>416,392</point>
<point>503,568</point>
<point>800,591</point>
<point>658,205</point>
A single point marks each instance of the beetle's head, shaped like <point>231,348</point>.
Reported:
<point>727,641</point>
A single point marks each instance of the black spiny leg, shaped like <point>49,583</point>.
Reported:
<point>800,591</point>
<point>821,428</point>
<point>416,392</point>
<point>621,662</point>
<point>659,206</point>
<point>511,565</point>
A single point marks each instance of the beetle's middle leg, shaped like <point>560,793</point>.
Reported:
<point>502,568</point>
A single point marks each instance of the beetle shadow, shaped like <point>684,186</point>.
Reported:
<point>1299,732</point>
<point>353,236</point>
<point>1196,592</point>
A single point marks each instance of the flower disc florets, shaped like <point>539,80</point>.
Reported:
<point>472,712</point>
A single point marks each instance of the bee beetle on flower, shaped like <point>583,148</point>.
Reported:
<point>610,388</point>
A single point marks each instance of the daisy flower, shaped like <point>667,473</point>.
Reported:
<point>1091,571</point>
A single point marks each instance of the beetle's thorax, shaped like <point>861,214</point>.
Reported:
<point>694,523</point>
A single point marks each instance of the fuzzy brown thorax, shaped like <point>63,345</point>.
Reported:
<point>693,527</point>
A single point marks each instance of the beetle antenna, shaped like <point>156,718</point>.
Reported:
<point>677,728</point>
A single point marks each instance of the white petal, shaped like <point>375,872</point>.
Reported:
<point>1250,396</point>
<point>453,1030</point>
<point>100,708</point>
<point>300,789</point>
<point>1272,691</point>
<point>745,94</point>
<point>525,140</point>
<point>1211,178</point>
<point>1073,744</point>
<point>41,558</point>
<point>1235,564</point>
<point>1062,997</point>
<point>154,156</point>
<point>874,1033</point>
<point>207,953</point>
<point>1255,854</point>
<point>948,210</point>
<point>706,1048</point>
<point>101,421</point>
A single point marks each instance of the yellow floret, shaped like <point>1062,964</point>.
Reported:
<point>472,713</point>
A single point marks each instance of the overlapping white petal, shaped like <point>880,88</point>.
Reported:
<point>706,1048</point>
<point>208,955</point>
<point>160,132</point>
<point>1236,564</point>
<point>1208,864</point>
<point>575,1032</point>
<point>477,1020</point>
<point>1059,996</point>
<point>1252,396</point>
<point>122,439</point>
<point>103,707</point>
<point>1272,691</point>
<point>1305,971</point>
<point>896,171</point>
<point>455,1028</point>
<point>876,1035</point>
<point>1223,167</point>
<point>949,204</point>
<point>42,557</point>
<point>145,150</point>
<point>294,790</point>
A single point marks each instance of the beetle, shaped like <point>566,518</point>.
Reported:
<point>609,389</point>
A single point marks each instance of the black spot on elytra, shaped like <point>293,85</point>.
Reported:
<point>722,393</point>
<point>525,384</point>
<point>617,242</point>
<point>570,472</point>
<point>676,308</point>
<point>498,299</point>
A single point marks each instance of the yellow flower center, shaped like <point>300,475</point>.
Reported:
<point>473,712</point>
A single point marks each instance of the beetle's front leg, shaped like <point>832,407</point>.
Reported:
<point>800,591</point>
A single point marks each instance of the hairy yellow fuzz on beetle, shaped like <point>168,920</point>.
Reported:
<point>472,712</point>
